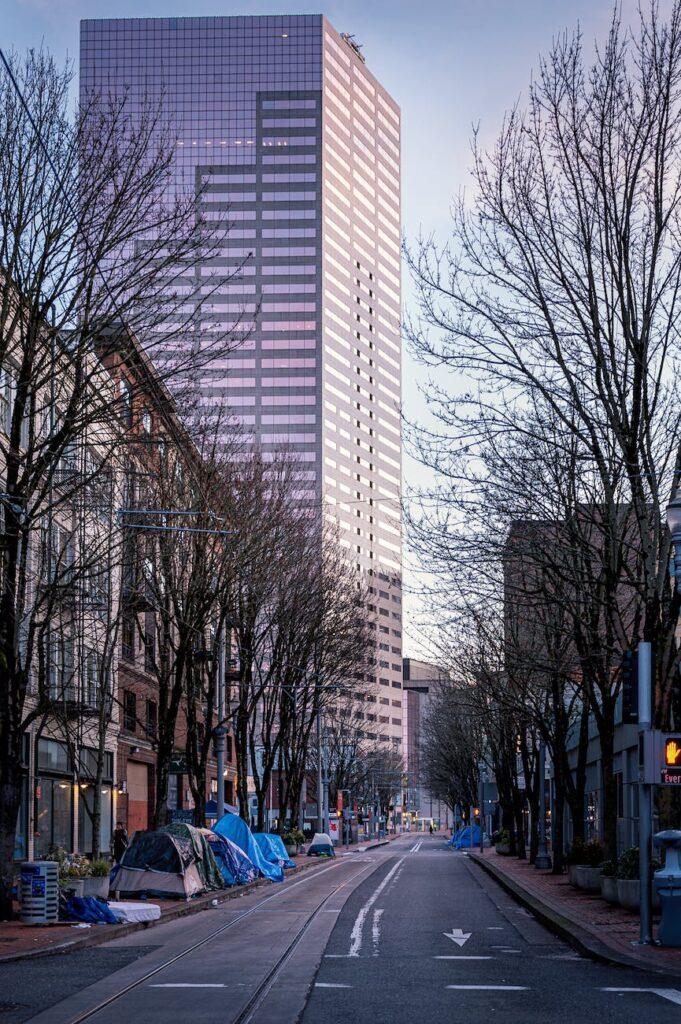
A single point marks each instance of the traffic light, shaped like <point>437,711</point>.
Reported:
<point>629,671</point>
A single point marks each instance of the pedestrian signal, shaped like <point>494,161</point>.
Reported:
<point>672,751</point>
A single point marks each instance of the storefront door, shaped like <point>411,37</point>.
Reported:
<point>138,796</point>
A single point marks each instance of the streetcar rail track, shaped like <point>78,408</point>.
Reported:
<point>265,985</point>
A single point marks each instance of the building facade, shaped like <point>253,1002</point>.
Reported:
<point>296,147</point>
<point>418,681</point>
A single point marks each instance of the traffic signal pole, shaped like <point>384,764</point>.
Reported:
<point>644,796</point>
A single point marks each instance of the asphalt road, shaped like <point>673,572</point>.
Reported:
<point>407,932</point>
<point>392,957</point>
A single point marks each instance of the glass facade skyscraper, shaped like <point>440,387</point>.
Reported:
<point>298,147</point>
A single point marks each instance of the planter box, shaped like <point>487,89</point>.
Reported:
<point>88,886</point>
<point>291,849</point>
<point>609,889</point>
<point>503,848</point>
<point>572,873</point>
<point>588,878</point>
<point>628,893</point>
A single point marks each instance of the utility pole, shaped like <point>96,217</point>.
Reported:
<point>644,795</point>
<point>542,860</point>
<point>481,804</point>
<point>221,730</point>
<point>320,773</point>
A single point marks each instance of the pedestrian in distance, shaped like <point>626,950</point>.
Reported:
<point>430,828</point>
<point>120,842</point>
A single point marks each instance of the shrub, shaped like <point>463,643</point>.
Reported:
<point>294,837</point>
<point>627,865</point>
<point>590,853</point>
<point>609,868</point>
<point>100,869</point>
<point>503,836</point>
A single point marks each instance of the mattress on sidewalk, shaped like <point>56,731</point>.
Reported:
<point>129,913</point>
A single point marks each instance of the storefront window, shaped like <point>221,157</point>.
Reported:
<point>85,812</point>
<point>54,815</point>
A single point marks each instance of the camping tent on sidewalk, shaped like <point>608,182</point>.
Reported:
<point>234,865</point>
<point>273,849</point>
<point>174,861</point>
<point>236,829</point>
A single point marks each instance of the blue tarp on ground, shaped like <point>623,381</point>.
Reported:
<point>235,866</point>
<point>461,840</point>
<point>236,829</point>
<point>273,849</point>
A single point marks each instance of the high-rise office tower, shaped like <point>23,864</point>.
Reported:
<point>299,146</point>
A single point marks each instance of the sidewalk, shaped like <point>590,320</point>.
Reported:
<point>587,922</point>
<point>20,941</point>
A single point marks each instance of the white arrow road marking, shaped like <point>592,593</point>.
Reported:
<point>672,994</point>
<point>329,984</point>
<point>376,930</point>
<point>458,936</point>
<point>488,988</point>
<point>356,933</point>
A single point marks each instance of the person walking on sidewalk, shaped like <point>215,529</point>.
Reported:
<point>120,842</point>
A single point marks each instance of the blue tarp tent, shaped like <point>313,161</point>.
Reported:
<point>273,849</point>
<point>462,840</point>
<point>235,866</point>
<point>236,829</point>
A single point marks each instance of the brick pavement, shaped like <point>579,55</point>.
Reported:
<point>608,930</point>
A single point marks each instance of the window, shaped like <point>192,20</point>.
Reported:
<point>149,642</point>
<point>128,637</point>
<point>91,687</point>
<point>126,402</point>
<point>152,718</point>
<point>129,711</point>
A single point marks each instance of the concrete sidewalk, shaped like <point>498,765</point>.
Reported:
<point>587,922</point>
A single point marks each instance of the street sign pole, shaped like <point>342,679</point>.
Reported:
<point>542,861</point>
<point>644,795</point>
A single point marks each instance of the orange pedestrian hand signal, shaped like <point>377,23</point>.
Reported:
<point>672,752</point>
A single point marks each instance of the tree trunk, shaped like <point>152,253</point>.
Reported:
<point>557,829</point>
<point>10,801</point>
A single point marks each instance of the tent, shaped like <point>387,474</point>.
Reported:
<point>321,846</point>
<point>235,828</point>
<point>273,849</point>
<point>234,866</point>
<point>174,861</point>
<point>461,840</point>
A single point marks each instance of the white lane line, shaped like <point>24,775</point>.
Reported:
<point>488,988</point>
<point>671,994</point>
<point>464,957</point>
<point>356,933</point>
<point>376,930</point>
<point>178,984</point>
<point>329,984</point>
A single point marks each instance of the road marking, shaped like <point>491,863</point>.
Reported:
<point>356,933</point>
<point>464,957</point>
<point>376,930</point>
<point>458,936</point>
<point>416,847</point>
<point>178,984</point>
<point>488,988</point>
<point>330,984</point>
<point>671,994</point>
<point>495,928</point>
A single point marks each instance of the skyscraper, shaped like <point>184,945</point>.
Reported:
<point>299,148</point>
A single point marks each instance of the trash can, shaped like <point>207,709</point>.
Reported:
<point>39,891</point>
<point>667,883</point>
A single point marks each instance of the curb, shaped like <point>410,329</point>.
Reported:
<point>574,934</point>
<point>101,934</point>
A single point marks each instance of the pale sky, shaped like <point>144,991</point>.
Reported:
<point>448,63</point>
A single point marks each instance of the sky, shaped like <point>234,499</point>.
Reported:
<point>450,64</point>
